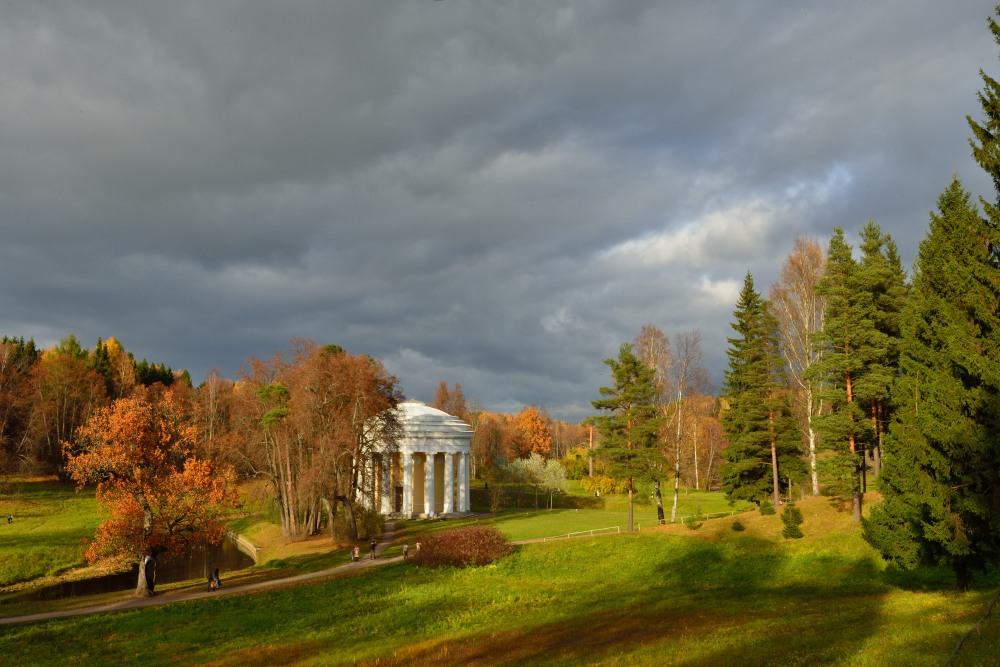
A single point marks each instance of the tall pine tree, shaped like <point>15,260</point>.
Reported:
<point>881,277</point>
<point>764,440</point>
<point>941,478</point>
<point>849,342</point>
<point>631,421</point>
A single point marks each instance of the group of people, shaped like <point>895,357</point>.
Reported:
<point>356,551</point>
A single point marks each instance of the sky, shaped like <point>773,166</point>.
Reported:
<point>494,193</point>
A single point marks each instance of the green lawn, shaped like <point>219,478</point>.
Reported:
<point>50,520</point>
<point>668,596</point>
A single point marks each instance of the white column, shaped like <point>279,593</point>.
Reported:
<point>407,483</point>
<point>429,483</point>
<point>463,481</point>
<point>449,483</point>
<point>365,487</point>
<point>460,492</point>
<point>386,488</point>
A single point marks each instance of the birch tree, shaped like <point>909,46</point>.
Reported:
<point>688,374</point>
<point>798,309</point>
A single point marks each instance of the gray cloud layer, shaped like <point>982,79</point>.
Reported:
<point>494,193</point>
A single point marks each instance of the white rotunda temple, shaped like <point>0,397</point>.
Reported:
<point>429,475</point>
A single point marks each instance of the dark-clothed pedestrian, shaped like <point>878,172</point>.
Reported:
<point>372,547</point>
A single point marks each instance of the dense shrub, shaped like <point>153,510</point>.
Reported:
<point>370,523</point>
<point>766,508</point>
<point>576,463</point>
<point>791,516</point>
<point>738,526</point>
<point>462,547</point>
<point>604,484</point>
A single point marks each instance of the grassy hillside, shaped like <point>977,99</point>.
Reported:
<point>668,596</point>
<point>50,520</point>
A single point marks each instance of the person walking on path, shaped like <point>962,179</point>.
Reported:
<point>216,580</point>
<point>372,547</point>
<point>406,550</point>
<point>356,554</point>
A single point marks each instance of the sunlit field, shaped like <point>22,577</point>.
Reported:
<point>665,596</point>
<point>50,520</point>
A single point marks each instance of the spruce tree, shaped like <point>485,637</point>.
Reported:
<point>941,475</point>
<point>631,423</point>
<point>763,436</point>
<point>791,516</point>
<point>100,361</point>
<point>881,277</point>
<point>849,341</point>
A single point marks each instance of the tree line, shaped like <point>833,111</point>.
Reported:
<point>854,372</point>
<point>46,395</point>
<point>313,423</point>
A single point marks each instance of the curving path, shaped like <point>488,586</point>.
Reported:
<point>179,596</point>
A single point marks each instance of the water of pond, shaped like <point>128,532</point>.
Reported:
<point>202,560</point>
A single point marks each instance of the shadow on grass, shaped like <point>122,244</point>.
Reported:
<point>634,599</point>
<point>721,602</point>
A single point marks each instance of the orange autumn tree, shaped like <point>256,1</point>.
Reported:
<point>533,434</point>
<point>159,496</point>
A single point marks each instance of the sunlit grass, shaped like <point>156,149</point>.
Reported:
<point>670,597</point>
<point>666,597</point>
<point>50,522</point>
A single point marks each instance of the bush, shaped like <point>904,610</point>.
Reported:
<point>766,508</point>
<point>462,547</point>
<point>576,463</point>
<point>791,516</point>
<point>606,485</point>
<point>738,526</point>
<point>371,524</point>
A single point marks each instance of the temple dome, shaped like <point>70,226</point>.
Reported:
<point>421,421</point>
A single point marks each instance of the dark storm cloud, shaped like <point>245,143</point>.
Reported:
<point>495,194</point>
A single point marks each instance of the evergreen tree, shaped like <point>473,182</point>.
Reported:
<point>762,433</point>
<point>791,516</point>
<point>71,346</point>
<point>100,361</point>
<point>985,147</point>
<point>632,423</point>
<point>880,276</point>
<point>22,350</point>
<point>850,343</point>
<point>941,471</point>
<point>150,373</point>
